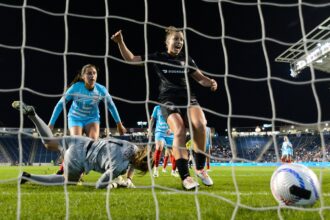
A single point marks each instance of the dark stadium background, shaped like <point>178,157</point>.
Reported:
<point>44,72</point>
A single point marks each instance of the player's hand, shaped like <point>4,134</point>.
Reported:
<point>117,37</point>
<point>112,185</point>
<point>214,85</point>
<point>130,184</point>
<point>121,129</point>
<point>51,127</point>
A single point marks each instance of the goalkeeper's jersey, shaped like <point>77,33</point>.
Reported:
<point>109,156</point>
<point>113,154</point>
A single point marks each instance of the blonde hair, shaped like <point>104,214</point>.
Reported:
<point>170,31</point>
<point>141,161</point>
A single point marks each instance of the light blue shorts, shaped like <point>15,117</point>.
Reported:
<point>166,139</point>
<point>287,153</point>
<point>82,122</point>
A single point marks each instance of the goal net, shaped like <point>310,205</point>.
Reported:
<point>248,47</point>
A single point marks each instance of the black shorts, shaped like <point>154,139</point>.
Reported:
<point>176,105</point>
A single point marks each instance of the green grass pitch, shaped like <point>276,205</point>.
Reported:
<point>250,199</point>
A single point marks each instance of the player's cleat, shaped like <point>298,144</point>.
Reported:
<point>206,179</point>
<point>189,183</point>
<point>24,177</point>
<point>174,173</point>
<point>164,170</point>
<point>27,109</point>
<point>155,173</point>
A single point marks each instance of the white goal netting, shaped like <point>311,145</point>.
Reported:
<point>44,43</point>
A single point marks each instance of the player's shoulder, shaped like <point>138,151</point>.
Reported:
<point>155,110</point>
<point>78,84</point>
<point>101,88</point>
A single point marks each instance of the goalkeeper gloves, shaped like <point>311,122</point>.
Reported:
<point>129,183</point>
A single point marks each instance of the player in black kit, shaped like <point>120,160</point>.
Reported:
<point>176,101</point>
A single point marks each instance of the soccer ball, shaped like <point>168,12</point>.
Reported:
<point>295,185</point>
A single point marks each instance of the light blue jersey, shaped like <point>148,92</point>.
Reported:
<point>161,125</point>
<point>287,148</point>
<point>162,128</point>
<point>85,103</point>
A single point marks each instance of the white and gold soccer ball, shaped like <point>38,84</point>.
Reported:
<point>295,185</point>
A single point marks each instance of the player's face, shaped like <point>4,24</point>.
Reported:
<point>90,77</point>
<point>174,43</point>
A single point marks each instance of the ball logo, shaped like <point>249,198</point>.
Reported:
<point>301,193</point>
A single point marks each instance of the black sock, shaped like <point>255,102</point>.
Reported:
<point>182,165</point>
<point>200,161</point>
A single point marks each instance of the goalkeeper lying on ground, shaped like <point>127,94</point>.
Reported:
<point>112,157</point>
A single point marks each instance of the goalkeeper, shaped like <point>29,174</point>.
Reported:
<point>111,157</point>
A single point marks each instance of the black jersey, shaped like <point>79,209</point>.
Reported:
<point>171,73</point>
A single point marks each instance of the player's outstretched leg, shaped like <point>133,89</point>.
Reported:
<point>52,179</point>
<point>42,128</point>
<point>26,109</point>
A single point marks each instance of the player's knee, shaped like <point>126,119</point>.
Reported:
<point>199,128</point>
<point>180,133</point>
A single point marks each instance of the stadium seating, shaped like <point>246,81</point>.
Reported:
<point>307,147</point>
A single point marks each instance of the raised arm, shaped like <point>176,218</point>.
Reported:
<point>56,112</point>
<point>204,80</point>
<point>125,52</point>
